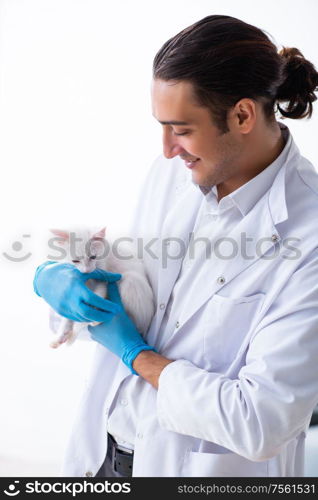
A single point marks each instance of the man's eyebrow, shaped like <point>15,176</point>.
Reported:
<point>173,122</point>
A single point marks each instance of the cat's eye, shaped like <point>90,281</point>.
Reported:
<point>75,261</point>
<point>93,257</point>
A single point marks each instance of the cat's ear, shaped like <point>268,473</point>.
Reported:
<point>63,235</point>
<point>100,234</point>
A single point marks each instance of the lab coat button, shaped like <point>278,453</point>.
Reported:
<point>177,324</point>
<point>140,435</point>
<point>221,280</point>
<point>124,402</point>
<point>89,474</point>
<point>162,306</point>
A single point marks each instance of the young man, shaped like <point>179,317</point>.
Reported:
<point>231,382</point>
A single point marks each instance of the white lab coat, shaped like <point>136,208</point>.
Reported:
<point>238,399</point>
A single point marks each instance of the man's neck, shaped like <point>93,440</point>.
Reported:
<point>264,151</point>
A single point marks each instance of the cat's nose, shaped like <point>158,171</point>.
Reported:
<point>84,269</point>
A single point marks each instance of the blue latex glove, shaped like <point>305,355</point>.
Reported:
<point>119,334</point>
<point>63,287</point>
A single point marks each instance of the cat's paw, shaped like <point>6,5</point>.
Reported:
<point>55,344</point>
<point>65,337</point>
<point>71,338</point>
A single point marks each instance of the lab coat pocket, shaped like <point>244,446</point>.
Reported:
<point>228,322</point>
<point>222,465</point>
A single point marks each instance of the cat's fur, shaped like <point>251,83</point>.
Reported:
<point>136,293</point>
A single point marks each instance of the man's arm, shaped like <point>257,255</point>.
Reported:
<point>149,365</point>
<point>271,400</point>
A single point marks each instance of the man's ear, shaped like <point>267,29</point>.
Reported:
<point>244,115</point>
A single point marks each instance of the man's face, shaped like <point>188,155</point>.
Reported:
<point>211,156</point>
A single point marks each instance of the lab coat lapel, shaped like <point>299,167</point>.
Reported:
<point>260,234</point>
<point>176,231</point>
<point>259,229</point>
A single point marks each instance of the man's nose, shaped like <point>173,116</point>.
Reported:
<point>170,146</point>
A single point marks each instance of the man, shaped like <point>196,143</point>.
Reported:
<point>228,382</point>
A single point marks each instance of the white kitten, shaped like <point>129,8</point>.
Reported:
<point>88,250</point>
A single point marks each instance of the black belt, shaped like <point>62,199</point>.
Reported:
<point>122,461</point>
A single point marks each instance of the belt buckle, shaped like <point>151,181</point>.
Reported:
<point>123,449</point>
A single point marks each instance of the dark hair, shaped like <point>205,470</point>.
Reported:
<point>227,59</point>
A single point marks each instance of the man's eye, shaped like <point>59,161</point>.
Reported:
<point>93,257</point>
<point>181,133</point>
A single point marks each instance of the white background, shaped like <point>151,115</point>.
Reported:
<point>76,139</point>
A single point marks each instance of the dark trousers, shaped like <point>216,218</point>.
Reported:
<point>106,469</point>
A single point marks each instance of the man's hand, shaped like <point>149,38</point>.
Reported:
<point>63,287</point>
<point>118,333</point>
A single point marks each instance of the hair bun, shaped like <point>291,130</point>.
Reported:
<point>300,81</point>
